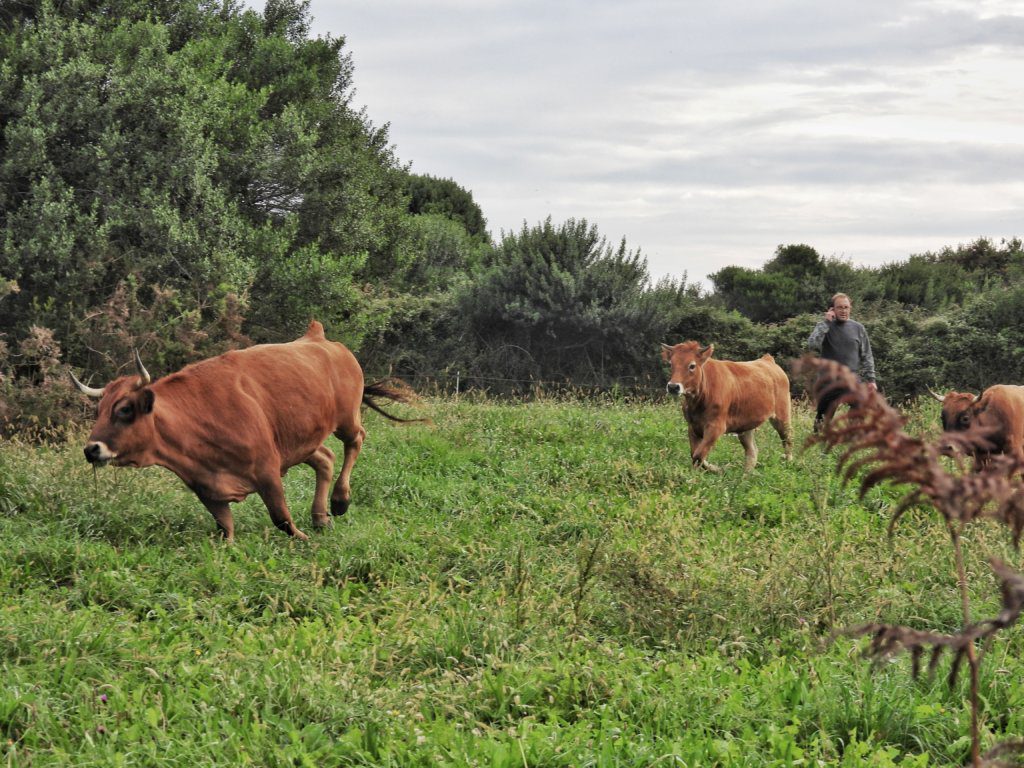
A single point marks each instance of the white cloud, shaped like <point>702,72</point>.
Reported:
<point>709,133</point>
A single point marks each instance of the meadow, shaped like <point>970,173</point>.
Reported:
<point>541,584</point>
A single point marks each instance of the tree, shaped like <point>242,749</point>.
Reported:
<point>429,195</point>
<point>442,254</point>
<point>790,283</point>
<point>796,261</point>
<point>560,303</point>
<point>192,153</point>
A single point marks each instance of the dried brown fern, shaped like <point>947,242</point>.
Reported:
<point>876,448</point>
<point>887,640</point>
<point>994,757</point>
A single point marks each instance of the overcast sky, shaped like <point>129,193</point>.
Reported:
<point>708,133</point>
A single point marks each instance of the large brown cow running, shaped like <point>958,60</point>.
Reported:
<point>723,396</point>
<point>998,416</point>
<point>234,424</point>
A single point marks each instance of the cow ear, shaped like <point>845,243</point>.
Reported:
<point>146,402</point>
<point>707,352</point>
<point>666,352</point>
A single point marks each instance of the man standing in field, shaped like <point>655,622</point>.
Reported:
<point>837,337</point>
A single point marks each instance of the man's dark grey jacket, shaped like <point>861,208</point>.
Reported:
<point>845,342</point>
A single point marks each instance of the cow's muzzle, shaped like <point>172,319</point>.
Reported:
<point>98,453</point>
<point>674,388</point>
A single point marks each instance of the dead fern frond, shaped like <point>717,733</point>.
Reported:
<point>887,640</point>
<point>994,758</point>
<point>1011,584</point>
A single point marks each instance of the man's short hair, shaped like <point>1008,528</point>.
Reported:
<point>837,297</point>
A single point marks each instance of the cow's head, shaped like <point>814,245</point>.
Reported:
<point>123,432</point>
<point>687,361</point>
<point>957,413</point>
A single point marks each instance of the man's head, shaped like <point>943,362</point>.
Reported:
<point>841,306</point>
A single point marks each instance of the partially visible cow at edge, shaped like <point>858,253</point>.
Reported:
<point>998,416</point>
<point>722,396</point>
<point>234,424</point>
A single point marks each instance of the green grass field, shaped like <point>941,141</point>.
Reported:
<point>547,584</point>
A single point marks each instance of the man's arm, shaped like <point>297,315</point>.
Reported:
<point>867,360</point>
<point>817,337</point>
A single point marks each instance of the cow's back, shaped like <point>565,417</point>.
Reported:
<point>292,394</point>
<point>1002,406</point>
<point>752,391</point>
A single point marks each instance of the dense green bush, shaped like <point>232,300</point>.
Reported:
<point>558,303</point>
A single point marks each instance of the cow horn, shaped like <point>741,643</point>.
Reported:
<point>143,373</point>
<point>935,394</point>
<point>90,391</point>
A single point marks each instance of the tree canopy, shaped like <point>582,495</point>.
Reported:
<point>186,156</point>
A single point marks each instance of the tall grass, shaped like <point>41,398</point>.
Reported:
<point>516,585</point>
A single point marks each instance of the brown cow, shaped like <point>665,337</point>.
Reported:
<point>998,415</point>
<point>724,396</point>
<point>234,424</point>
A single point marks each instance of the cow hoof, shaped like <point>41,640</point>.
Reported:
<point>322,521</point>
<point>711,468</point>
<point>299,534</point>
<point>338,507</point>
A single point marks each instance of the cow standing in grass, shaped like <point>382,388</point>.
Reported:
<point>998,416</point>
<point>233,424</point>
<point>722,396</point>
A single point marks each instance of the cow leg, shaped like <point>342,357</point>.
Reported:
<point>694,440</point>
<point>707,441</point>
<point>221,512</point>
<point>322,462</point>
<point>1015,448</point>
<point>341,496</point>
<point>749,448</point>
<point>782,427</point>
<point>272,493</point>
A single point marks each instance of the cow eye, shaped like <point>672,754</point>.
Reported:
<point>125,411</point>
<point>693,366</point>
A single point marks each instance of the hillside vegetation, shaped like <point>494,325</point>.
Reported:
<point>517,585</point>
<point>186,177</point>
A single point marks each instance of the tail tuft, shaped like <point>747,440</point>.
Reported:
<point>395,390</point>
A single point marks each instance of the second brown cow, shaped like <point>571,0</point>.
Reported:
<point>722,396</point>
<point>998,415</point>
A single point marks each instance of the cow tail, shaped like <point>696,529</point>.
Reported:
<point>394,390</point>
